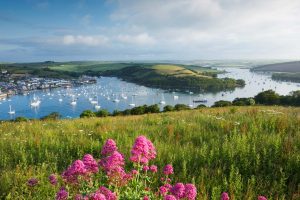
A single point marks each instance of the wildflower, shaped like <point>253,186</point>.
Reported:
<point>97,196</point>
<point>190,192</point>
<point>262,198</point>
<point>153,168</point>
<point>146,198</point>
<point>90,163</point>
<point>145,168</point>
<point>109,195</point>
<point>178,190</point>
<point>113,162</point>
<point>170,197</point>
<point>53,179</point>
<point>109,147</point>
<point>168,169</point>
<point>76,169</point>
<point>224,196</point>
<point>32,182</point>
<point>163,190</point>
<point>134,172</point>
<point>142,151</point>
<point>62,194</point>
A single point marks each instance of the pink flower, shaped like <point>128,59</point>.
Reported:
<point>153,168</point>
<point>168,169</point>
<point>163,190</point>
<point>146,198</point>
<point>169,186</point>
<point>32,182</point>
<point>109,147</point>
<point>76,169</point>
<point>262,198</point>
<point>53,179</point>
<point>145,168</point>
<point>97,196</point>
<point>170,197</point>
<point>62,194</point>
<point>90,163</point>
<point>178,190</point>
<point>113,162</point>
<point>224,196</point>
<point>109,195</point>
<point>190,192</point>
<point>142,151</point>
<point>134,172</point>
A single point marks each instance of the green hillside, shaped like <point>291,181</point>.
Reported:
<point>246,151</point>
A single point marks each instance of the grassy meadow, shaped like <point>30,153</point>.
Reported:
<point>246,151</point>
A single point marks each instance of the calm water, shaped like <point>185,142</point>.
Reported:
<point>109,89</point>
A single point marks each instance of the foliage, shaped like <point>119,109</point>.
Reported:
<point>102,113</point>
<point>52,116</point>
<point>222,103</point>
<point>87,113</point>
<point>168,108</point>
<point>243,102</point>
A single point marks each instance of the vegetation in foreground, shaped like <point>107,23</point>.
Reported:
<point>246,151</point>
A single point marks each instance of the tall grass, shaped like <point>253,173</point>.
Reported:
<point>247,151</point>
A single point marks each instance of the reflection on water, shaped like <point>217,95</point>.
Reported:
<point>114,94</point>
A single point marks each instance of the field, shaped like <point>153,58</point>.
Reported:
<point>246,151</point>
<point>178,71</point>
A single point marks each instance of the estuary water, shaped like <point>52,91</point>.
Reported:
<point>114,94</point>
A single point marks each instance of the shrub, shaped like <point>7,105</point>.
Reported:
<point>21,119</point>
<point>102,113</point>
<point>179,107</point>
<point>87,114</point>
<point>268,97</point>
<point>222,103</point>
<point>52,116</point>
<point>168,108</point>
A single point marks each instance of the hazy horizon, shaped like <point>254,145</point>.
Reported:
<point>136,30</point>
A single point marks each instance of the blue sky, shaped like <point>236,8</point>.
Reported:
<point>38,30</point>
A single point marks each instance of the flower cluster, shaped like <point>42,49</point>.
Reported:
<point>107,179</point>
<point>142,151</point>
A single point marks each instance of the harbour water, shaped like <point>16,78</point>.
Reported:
<point>114,94</point>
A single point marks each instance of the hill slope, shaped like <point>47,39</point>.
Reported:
<point>280,67</point>
<point>247,151</point>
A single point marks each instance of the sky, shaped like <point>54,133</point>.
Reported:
<point>64,30</point>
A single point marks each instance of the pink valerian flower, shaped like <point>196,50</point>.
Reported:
<point>190,192</point>
<point>109,195</point>
<point>112,162</point>
<point>178,190</point>
<point>145,168</point>
<point>153,168</point>
<point>170,197</point>
<point>90,163</point>
<point>109,147</point>
<point>76,169</point>
<point>168,169</point>
<point>142,151</point>
<point>53,179</point>
<point>134,172</point>
<point>146,198</point>
<point>169,186</point>
<point>262,198</point>
<point>62,194</point>
<point>32,182</point>
<point>97,196</point>
<point>81,197</point>
<point>224,196</point>
<point>163,190</point>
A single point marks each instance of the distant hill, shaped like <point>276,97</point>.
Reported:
<point>290,67</point>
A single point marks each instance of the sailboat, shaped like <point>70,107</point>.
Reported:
<point>162,100</point>
<point>35,102</point>
<point>73,102</point>
<point>11,112</point>
<point>132,104</point>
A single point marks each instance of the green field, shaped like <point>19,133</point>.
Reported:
<point>246,151</point>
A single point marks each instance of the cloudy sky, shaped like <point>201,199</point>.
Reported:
<point>38,30</point>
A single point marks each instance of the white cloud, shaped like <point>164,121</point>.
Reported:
<point>84,40</point>
<point>140,39</point>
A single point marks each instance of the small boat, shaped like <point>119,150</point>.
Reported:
<point>11,112</point>
<point>73,102</point>
<point>175,97</point>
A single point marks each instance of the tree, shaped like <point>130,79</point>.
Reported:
<point>222,103</point>
<point>102,113</point>
<point>268,97</point>
<point>87,114</point>
<point>168,108</point>
<point>179,107</point>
